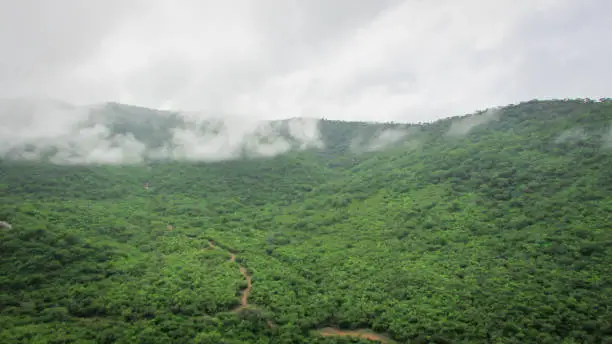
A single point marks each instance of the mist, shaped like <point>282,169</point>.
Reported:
<point>229,138</point>
<point>66,134</point>
<point>464,126</point>
<point>572,135</point>
<point>384,139</point>
<point>607,140</point>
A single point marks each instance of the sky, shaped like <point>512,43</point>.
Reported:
<point>391,60</point>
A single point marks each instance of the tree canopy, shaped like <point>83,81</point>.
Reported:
<point>493,227</point>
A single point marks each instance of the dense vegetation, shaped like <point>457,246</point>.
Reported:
<point>498,234</point>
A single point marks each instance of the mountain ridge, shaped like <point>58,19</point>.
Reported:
<point>122,134</point>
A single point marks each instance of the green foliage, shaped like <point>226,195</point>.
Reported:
<point>499,235</point>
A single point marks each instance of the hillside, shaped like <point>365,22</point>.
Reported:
<point>493,227</point>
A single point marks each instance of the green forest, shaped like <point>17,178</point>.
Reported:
<point>492,227</point>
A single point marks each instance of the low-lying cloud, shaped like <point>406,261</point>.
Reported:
<point>66,134</point>
<point>96,145</point>
<point>384,139</point>
<point>577,135</point>
<point>465,125</point>
<point>572,136</point>
<point>607,140</point>
<point>231,138</point>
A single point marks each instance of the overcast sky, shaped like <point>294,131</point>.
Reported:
<point>411,60</point>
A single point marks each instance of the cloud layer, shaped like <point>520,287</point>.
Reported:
<point>120,134</point>
<point>115,134</point>
<point>347,59</point>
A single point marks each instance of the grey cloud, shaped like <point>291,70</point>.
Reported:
<point>42,39</point>
<point>395,60</point>
<point>563,51</point>
<point>312,27</point>
<point>28,120</point>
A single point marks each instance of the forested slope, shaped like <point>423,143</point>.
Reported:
<point>489,228</point>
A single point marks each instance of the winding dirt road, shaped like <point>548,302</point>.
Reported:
<point>327,331</point>
<point>244,299</point>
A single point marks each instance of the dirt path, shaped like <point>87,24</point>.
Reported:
<point>327,331</point>
<point>244,299</point>
<point>362,333</point>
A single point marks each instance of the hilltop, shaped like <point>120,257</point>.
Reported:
<point>137,225</point>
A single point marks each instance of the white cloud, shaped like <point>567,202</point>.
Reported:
<point>463,126</point>
<point>384,139</point>
<point>306,132</point>
<point>233,137</point>
<point>607,139</point>
<point>94,145</point>
<point>572,135</point>
<point>85,136</point>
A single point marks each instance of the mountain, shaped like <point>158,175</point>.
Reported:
<point>115,133</point>
<point>492,227</point>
